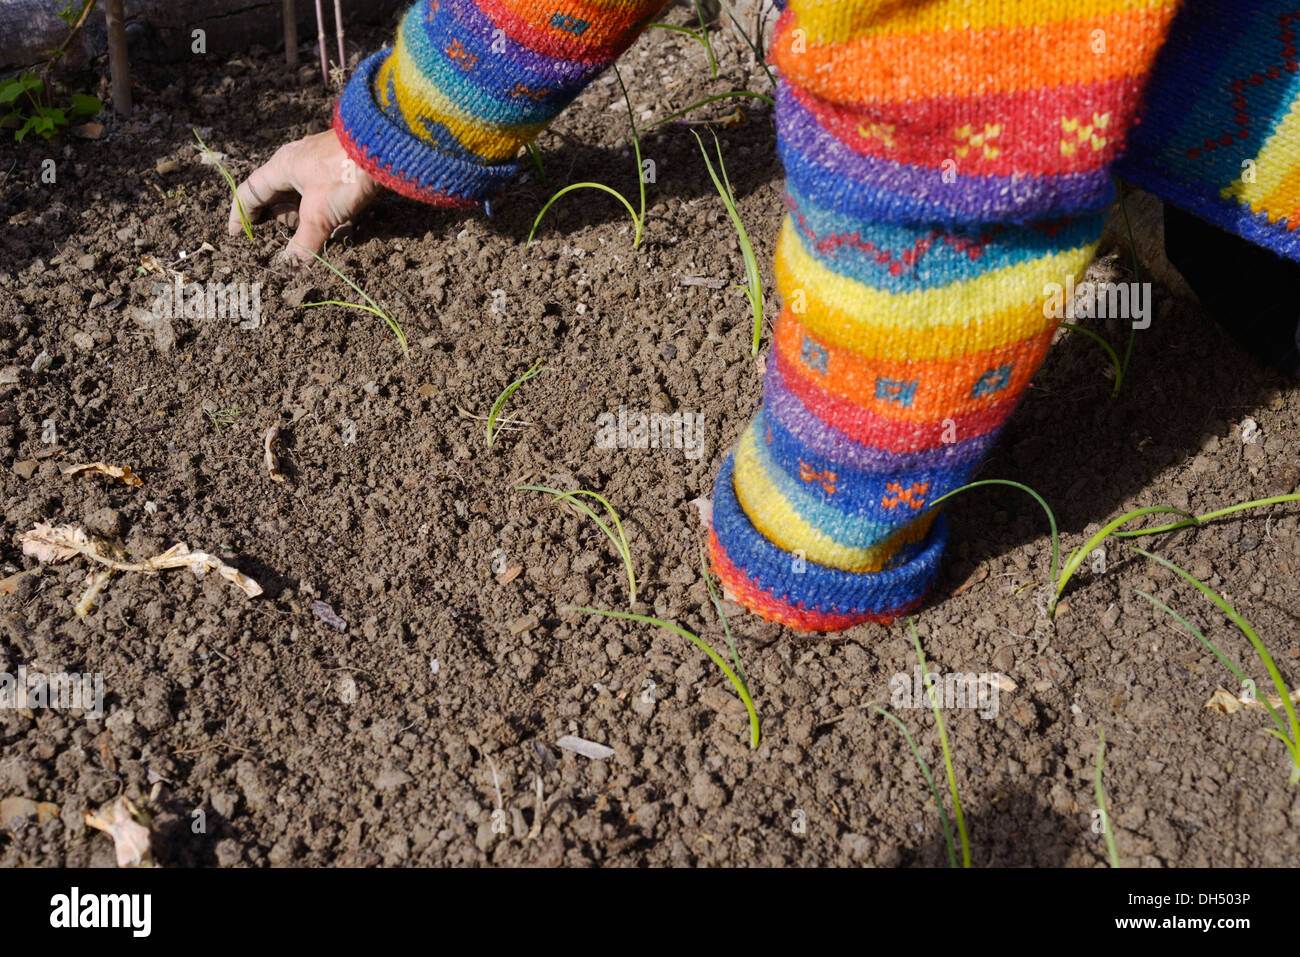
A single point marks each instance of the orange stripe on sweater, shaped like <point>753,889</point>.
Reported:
<point>890,67</point>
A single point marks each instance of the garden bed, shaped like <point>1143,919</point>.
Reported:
<point>303,744</point>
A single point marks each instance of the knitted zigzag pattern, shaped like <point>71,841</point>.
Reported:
<point>442,116</point>
<point>944,161</point>
<point>1220,135</point>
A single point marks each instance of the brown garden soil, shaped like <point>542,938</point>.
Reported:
<point>303,744</point>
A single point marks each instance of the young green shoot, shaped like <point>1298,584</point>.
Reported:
<point>726,627</point>
<point>929,779</point>
<point>536,156</point>
<point>755,47</point>
<point>1110,353</point>
<point>619,539</point>
<point>638,219</point>
<point>943,741</point>
<point>1287,732</point>
<point>223,418</point>
<point>1188,520</point>
<point>1100,793</point>
<point>1051,518</point>
<point>369,306</point>
<point>504,397</point>
<point>717,659</point>
<point>748,94</point>
<point>753,288</point>
<point>230,181</point>
<point>1137,278</point>
<point>701,35</point>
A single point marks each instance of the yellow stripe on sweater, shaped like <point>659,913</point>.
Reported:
<point>421,102</point>
<point>837,21</point>
<point>971,315</point>
<point>1276,172</point>
<point>777,520</point>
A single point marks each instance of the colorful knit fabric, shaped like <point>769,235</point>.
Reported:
<point>944,162</point>
<point>443,115</point>
<point>1220,135</point>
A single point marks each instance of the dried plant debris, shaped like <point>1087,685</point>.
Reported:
<point>269,443</point>
<point>326,614</point>
<point>95,583</point>
<point>1225,702</point>
<point>122,473</point>
<point>57,543</point>
<point>128,828</point>
<point>588,749</point>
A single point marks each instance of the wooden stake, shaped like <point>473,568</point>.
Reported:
<point>320,38</point>
<point>290,33</point>
<point>338,28</point>
<point>118,65</point>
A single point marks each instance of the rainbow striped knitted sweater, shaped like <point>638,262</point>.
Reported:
<point>945,161</point>
<point>443,115</point>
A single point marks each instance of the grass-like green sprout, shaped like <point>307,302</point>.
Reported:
<point>619,539</point>
<point>504,397</point>
<point>1120,366</point>
<point>638,219</point>
<point>1051,518</point>
<point>1110,353</point>
<point>734,94</point>
<point>224,418</point>
<point>1137,278</point>
<point>947,752</point>
<point>947,761</point>
<point>736,677</point>
<point>929,779</point>
<point>1287,732</point>
<point>1100,793</point>
<point>755,46</point>
<point>753,288</point>
<point>230,181</point>
<point>1076,557</point>
<point>701,35</point>
<point>726,629</point>
<point>535,155</point>
<point>369,306</point>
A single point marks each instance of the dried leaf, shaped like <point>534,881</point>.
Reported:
<point>1225,702</point>
<point>10,585</point>
<point>269,442</point>
<point>509,575</point>
<point>588,749</point>
<point>48,543</point>
<point>974,578</point>
<point>122,473</point>
<point>130,837</point>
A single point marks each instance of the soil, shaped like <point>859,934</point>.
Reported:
<point>379,744</point>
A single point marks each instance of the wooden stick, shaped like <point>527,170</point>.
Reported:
<point>118,64</point>
<point>320,38</point>
<point>290,33</point>
<point>338,27</point>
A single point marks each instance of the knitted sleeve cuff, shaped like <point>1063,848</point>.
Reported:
<point>395,157</point>
<point>443,115</point>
